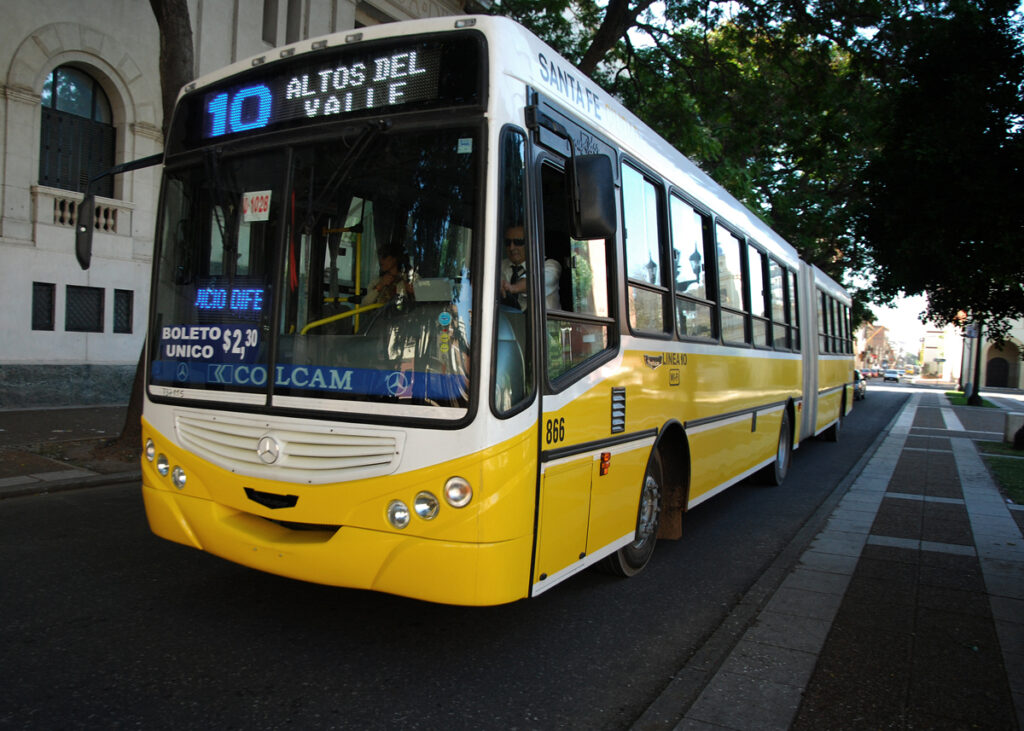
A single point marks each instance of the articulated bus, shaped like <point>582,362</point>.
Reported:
<point>432,314</point>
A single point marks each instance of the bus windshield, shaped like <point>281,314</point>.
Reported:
<point>338,270</point>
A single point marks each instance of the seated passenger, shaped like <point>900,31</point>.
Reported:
<point>386,287</point>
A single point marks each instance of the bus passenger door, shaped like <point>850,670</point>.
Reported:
<point>576,332</point>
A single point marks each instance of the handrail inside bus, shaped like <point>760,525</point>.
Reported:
<point>341,316</point>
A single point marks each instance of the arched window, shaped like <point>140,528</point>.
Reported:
<point>77,140</point>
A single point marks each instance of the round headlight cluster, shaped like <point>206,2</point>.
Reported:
<point>163,466</point>
<point>457,492</point>
<point>426,505</point>
<point>398,513</point>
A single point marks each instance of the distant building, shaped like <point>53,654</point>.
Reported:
<point>874,349</point>
<point>941,354</point>
<point>1000,364</point>
<point>81,92</point>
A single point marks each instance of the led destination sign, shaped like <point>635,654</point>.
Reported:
<point>332,84</point>
<point>318,90</point>
<point>217,300</point>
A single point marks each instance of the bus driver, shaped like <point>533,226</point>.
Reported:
<point>514,273</point>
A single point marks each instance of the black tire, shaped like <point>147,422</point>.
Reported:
<point>631,560</point>
<point>776,472</point>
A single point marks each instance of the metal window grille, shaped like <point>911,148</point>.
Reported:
<point>123,306</point>
<point>83,311</point>
<point>72,150</point>
<point>43,296</point>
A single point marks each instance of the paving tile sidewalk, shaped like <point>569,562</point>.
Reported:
<point>25,469</point>
<point>907,610</point>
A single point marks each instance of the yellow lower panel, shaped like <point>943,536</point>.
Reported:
<point>615,497</point>
<point>437,571</point>
<point>828,409</point>
<point>722,453</point>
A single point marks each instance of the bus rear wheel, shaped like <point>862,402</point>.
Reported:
<point>631,560</point>
<point>776,472</point>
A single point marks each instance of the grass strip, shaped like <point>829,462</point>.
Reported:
<point>956,398</point>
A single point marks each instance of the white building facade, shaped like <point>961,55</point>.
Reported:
<point>80,93</point>
<point>1001,365</point>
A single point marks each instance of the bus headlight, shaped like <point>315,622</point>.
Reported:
<point>150,450</point>
<point>162,465</point>
<point>398,514</point>
<point>178,477</point>
<point>426,505</point>
<point>458,492</point>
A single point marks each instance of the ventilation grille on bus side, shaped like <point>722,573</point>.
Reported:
<point>308,454</point>
<point>618,409</point>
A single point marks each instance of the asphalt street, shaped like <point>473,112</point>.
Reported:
<point>108,626</point>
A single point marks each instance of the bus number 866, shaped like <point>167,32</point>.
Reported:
<point>554,431</point>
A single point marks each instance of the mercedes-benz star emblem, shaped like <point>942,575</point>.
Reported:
<point>268,450</point>
<point>397,383</point>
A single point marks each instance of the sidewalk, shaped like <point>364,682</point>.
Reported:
<point>50,450</point>
<point>906,611</point>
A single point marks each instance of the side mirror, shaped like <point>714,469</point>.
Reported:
<point>83,230</point>
<point>593,207</point>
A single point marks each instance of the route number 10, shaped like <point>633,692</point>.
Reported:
<point>246,109</point>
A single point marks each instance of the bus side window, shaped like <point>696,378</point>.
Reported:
<point>692,252</point>
<point>582,328</point>
<point>641,209</point>
<point>732,286</point>
<point>513,352</point>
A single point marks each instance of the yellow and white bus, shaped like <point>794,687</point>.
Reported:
<point>353,378</point>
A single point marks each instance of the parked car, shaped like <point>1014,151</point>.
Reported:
<point>860,386</point>
<point>892,375</point>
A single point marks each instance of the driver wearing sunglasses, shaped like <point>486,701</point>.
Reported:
<point>514,273</point>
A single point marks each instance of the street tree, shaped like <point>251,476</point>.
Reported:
<point>177,68</point>
<point>943,214</point>
<point>768,98</point>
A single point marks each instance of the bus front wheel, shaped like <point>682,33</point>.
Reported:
<point>630,560</point>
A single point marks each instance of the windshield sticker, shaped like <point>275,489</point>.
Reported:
<point>350,381</point>
<point>465,145</point>
<point>256,206</point>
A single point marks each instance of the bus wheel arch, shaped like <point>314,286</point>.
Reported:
<point>674,451</point>
<point>832,433</point>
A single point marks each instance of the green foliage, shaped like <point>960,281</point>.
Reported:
<point>878,137</point>
<point>942,210</point>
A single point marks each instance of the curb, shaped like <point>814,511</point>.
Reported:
<point>673,703</point>
<point>76,480</point>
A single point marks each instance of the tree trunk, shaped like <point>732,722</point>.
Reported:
<point>618,19</point>
<point>975,398</point>
<point>177,65</point>
<point>177,68</point>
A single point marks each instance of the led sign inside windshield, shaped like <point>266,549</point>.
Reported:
<point>217,300</point>
<point>317,89</point>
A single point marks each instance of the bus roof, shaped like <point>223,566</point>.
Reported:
<point>528,59</point>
